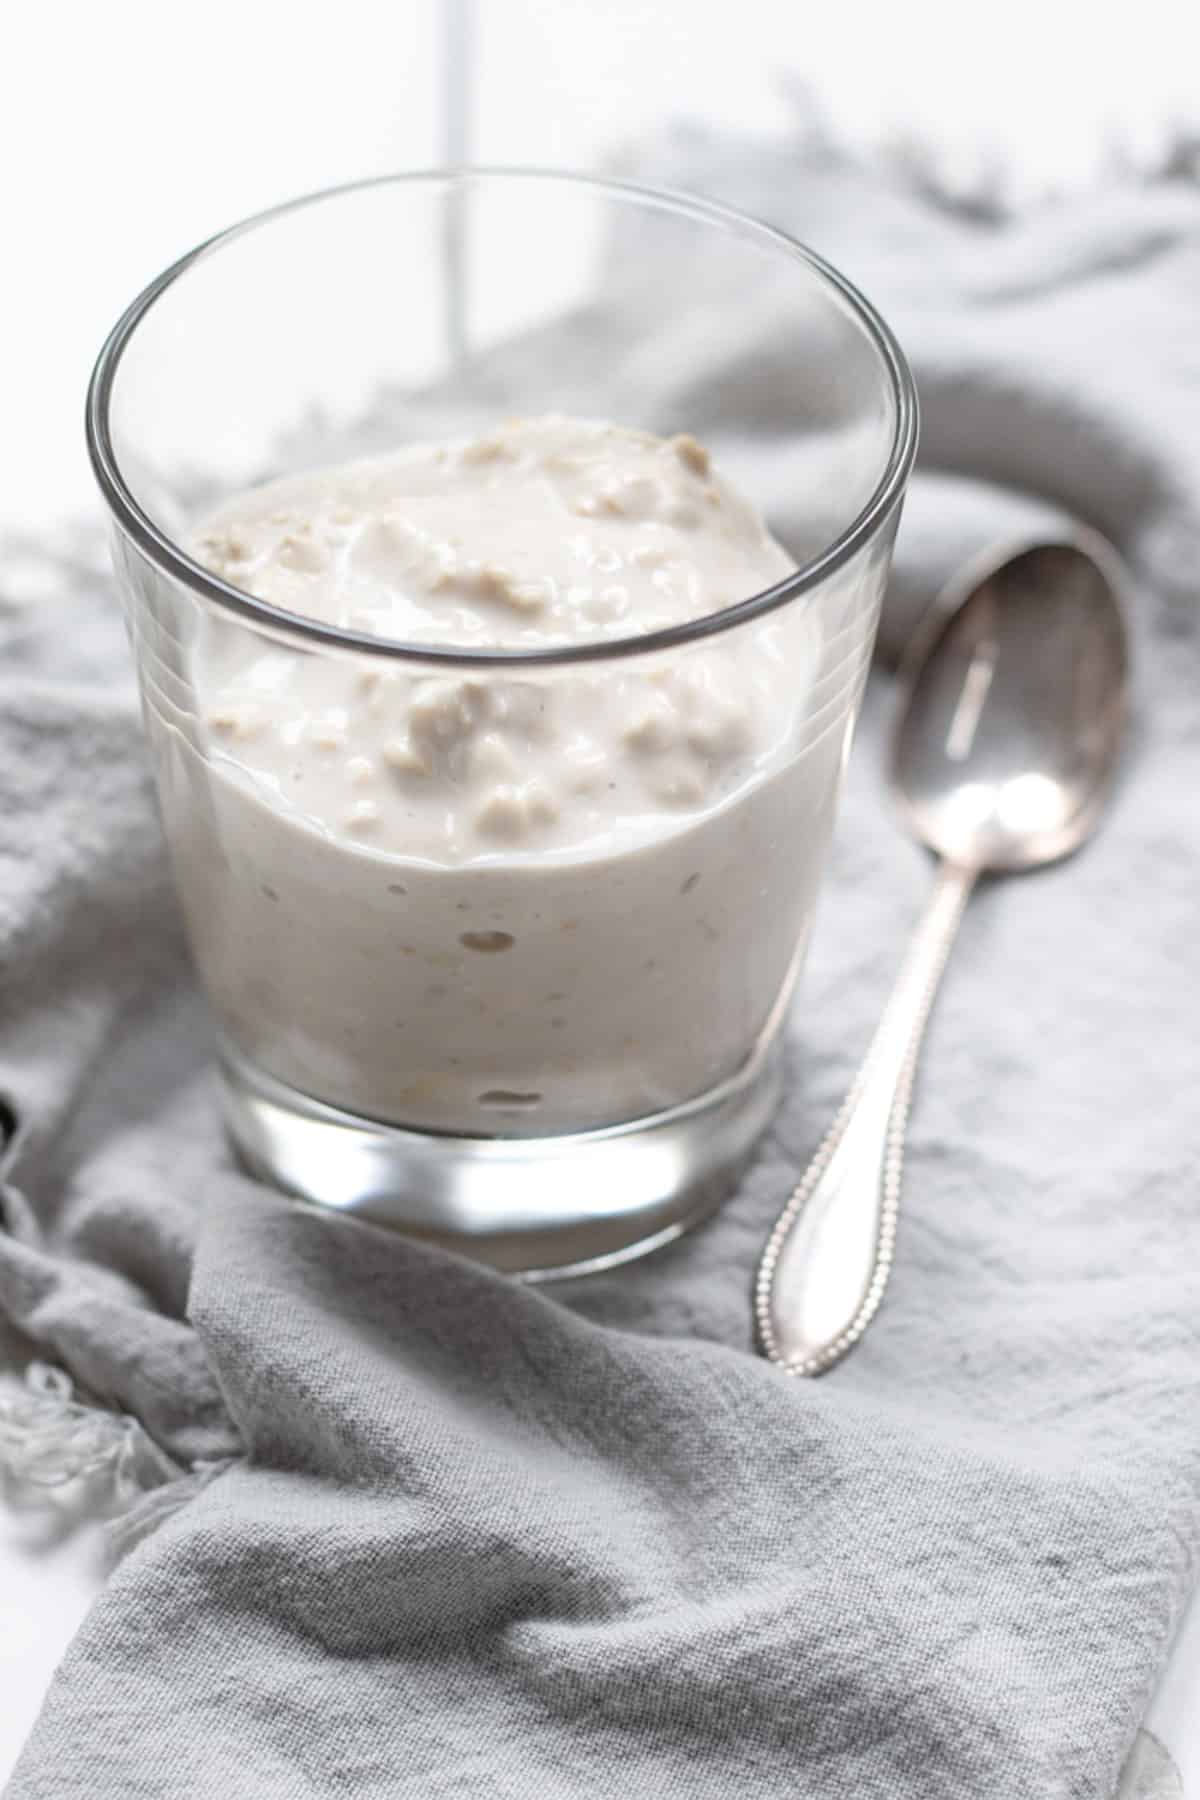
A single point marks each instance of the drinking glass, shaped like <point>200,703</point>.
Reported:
<point>551,1059</point>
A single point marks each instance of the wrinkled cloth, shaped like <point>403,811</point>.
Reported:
<point>477,1538</point>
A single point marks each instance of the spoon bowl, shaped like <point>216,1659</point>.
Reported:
<point>1015,707</point>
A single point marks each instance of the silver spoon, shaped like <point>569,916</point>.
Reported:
<point>1015,698</point>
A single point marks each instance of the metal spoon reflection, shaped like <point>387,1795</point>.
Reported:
<point>1015,699</point>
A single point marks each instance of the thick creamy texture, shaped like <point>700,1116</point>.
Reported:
<point>549,532</point>
<point>503,901</point>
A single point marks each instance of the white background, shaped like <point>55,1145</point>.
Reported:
<point>130,131</point>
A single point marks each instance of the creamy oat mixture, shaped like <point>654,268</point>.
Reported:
<point>547,532</point>
<point>514,901</point>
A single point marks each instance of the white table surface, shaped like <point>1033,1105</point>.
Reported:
<point>123,148</point>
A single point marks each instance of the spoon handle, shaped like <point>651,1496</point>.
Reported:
<point>826,1263</point>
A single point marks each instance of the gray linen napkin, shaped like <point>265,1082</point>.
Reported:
<point>476,1538</point>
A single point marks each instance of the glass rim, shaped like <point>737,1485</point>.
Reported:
<point>172,560</point>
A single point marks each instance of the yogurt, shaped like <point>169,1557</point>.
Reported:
<point>504,900</point>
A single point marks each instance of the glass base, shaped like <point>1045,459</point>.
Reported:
<point>538,1207</point>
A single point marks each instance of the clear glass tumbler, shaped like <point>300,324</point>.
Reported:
<point>553,1060</point>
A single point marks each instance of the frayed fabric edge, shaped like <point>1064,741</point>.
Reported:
<point>153,1507</point>
<point>976,181</point>
<point>51,1439</point>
